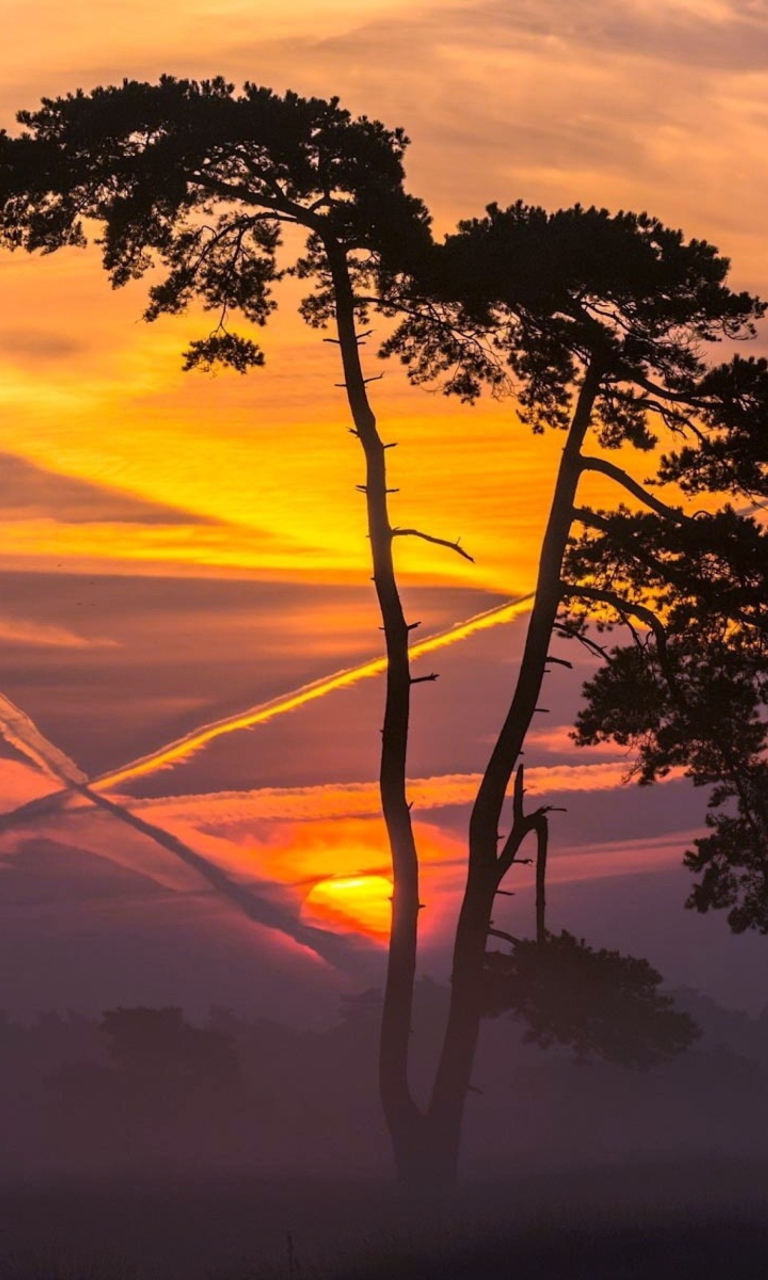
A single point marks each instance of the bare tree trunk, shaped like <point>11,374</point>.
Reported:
<point>486,813</point>
<point>486,868</point>
<point>426,1146</point>
<point>403,1118</point>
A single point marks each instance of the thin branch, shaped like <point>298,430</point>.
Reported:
<point>633,609</point>
<point>637,490</point>
<point>570,633</point>
<point>506,937</point>
<point>561,662</point>
<point>440,542</point>
<point>622,606</point>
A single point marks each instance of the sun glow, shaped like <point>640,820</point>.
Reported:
<point>363,903</point>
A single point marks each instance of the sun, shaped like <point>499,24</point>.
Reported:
<point>362,903</point>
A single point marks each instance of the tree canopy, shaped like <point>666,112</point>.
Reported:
<point>523,300</point>
<point>534,303</point>
<point>195,179</point>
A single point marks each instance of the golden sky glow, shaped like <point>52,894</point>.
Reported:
<point>541,101</point>
<point>122,466</point>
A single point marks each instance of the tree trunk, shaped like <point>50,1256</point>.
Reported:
<point>486,813</point>
<point>426,1146</point>
<point>486,870</point>
<point>403,1118</point>
<point>453,1077</point>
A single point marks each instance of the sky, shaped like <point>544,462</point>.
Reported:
<point>183,557</point>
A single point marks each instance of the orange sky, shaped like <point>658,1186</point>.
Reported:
<point>116,463</point>
<point>548,101</point>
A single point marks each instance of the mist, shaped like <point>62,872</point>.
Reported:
<point>148,1143</point>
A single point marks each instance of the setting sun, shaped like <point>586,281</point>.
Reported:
<point>354,902</point>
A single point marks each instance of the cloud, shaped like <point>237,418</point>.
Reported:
<point>28,632</point>
<point>222,809</point>
<point>29,491</point>
<point>620,857</point>
<point>30,346</point>
<point>707,34</point>
<point>632,104</point>
<point>20,783</point>
<point>260,902</point>
<point>44,871</point>
<point>559,741</point>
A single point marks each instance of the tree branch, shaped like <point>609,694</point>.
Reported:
<point>440,542</point>
<point>569,633</point>
<point>507,937</point>
<point>622,606</point>
<point>637,490</point>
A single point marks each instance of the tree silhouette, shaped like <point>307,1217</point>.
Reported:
<point>698,701</point>
<point>601,325</point>
<point>201,181</point>
<point>598,1002</point>
<point>596,321</point>
<point>164,1082</point>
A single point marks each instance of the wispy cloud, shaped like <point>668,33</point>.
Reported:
<point>559,741</point>
<point>361,799</point>
<point>30,491</point>
<point>25,631</point>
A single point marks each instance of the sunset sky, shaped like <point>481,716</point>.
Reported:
<point>180,551</point>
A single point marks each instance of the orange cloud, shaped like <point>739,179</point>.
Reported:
<point>228,809</point>
<point>116,404</point>
<point>558,741</point>
<point>20,783</point>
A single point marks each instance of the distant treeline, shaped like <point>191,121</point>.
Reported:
<point>147,1090</point>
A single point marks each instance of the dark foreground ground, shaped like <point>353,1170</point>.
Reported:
<point>705,1218</point>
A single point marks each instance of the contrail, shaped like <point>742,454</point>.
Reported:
<point>21,732</point>
<point>182,748</point>
<point>329,946</point>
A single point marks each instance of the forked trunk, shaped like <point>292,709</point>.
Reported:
<point>426,1145</point>
<point>486,869</point>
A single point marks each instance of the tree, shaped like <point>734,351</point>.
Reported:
<point>597,319</point>
<point>600,324</point>
<point>200,181</point>
<point>694,695</point>
<point>164,1085</point>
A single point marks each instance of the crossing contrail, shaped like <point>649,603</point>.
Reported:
<point>182,748</point>
<point>20,730</point>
